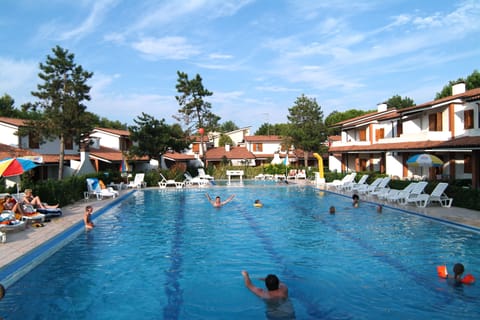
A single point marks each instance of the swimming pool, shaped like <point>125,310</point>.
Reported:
<point>171,255</point>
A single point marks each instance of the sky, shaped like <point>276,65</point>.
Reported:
<point>256,56</point>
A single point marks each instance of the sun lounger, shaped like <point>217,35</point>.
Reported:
<point>382,187</point>
<point>169,182</point>
<point>364,188</point>
<point>203,175</point>
<point>338,184</point>
<point>437,195</point>
<point>195,181</point>
<point>411,198</point>
<point>353,186</point>
<point>401,194</point>
<point>8,222</point>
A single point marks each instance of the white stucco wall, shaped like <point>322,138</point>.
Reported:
<point>7,133</point>
<point>108,140</point>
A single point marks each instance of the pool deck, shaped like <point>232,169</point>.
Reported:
<point>21,242</point>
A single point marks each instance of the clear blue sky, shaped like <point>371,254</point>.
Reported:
<point>256,57</point>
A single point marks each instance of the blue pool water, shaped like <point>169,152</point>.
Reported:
<point>165,254</point>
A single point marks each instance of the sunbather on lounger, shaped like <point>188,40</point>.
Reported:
<point>35,201</point>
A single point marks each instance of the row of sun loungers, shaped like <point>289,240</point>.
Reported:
<point>412,194</point>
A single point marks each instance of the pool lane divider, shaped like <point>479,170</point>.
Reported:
<point>383,257</point>
<point>173,290</point>
<point>15,270</point>
<point>267,243</point>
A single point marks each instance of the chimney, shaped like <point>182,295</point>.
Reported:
<point>227,148</point>
<point>382,107</point>
<point>458,88</point>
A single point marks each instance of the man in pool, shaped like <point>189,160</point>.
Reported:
<point>87,218</point>
<point>276,297</point>
<point>355,200</point>
<point>276,289</point>
<point>217,203</point>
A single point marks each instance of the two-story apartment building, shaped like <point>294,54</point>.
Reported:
<point>383,141</point>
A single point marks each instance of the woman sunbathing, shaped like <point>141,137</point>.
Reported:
<point>35,201</point>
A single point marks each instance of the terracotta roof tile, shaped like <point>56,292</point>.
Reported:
<point>263,138</point>
<point>118,132</point>
<point>176,156</point>
<point>13,121</point>
<point>112,155</point>
<point>217,154</point>
<point>7,151</point>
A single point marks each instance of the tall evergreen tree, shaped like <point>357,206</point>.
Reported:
<point>194,111</point>
<point>307,129</point>
<point>154,137</point>
<point>62,93</point>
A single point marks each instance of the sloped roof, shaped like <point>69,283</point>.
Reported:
<point>112,155</point>
<point>117,132</point>
<point>176,156</point>
<point>263,138</point>
<point>13,121</point>
<point>467,95</point>
<point>54,158</point>
<point>217,154</point>
<point>463,142</point>
<point>7,151</point>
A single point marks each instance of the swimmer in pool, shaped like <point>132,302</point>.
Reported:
<point>258,203</point>
<point>217,203</point>
<point>275,288</point>
<point>355,200</point>
<point>87,218</point>
<point>331,210</point>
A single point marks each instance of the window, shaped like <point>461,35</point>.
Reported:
<point>362,134</point>
<point>399,128</point>
<point>435,122</point>
<point>257,147</point>
<point>33,141</point>
<point>68,143</point>
<point>379,134</point>
<point>196,147</point>
<point>468,119</point>
<point>467,164</point>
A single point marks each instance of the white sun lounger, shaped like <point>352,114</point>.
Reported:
<point>437,195</point>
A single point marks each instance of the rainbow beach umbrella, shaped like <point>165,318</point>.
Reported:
<point>424,160</point>
<point>15,166</point>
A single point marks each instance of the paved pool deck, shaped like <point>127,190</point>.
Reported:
<point>22,242</point>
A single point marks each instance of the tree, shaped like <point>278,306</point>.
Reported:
<point>7,108</point>
<point>224,140</point>
<point>398,102</point>
<point>471,82</point>
<point>337,116</point>
<point>194,111</point>
<point>307,130</point>
<point>228,127</point>
<point>278,129</point>
<point>155,137</point>
<point>62,93</point>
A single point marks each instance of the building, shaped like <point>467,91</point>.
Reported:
<point>383,141</point>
